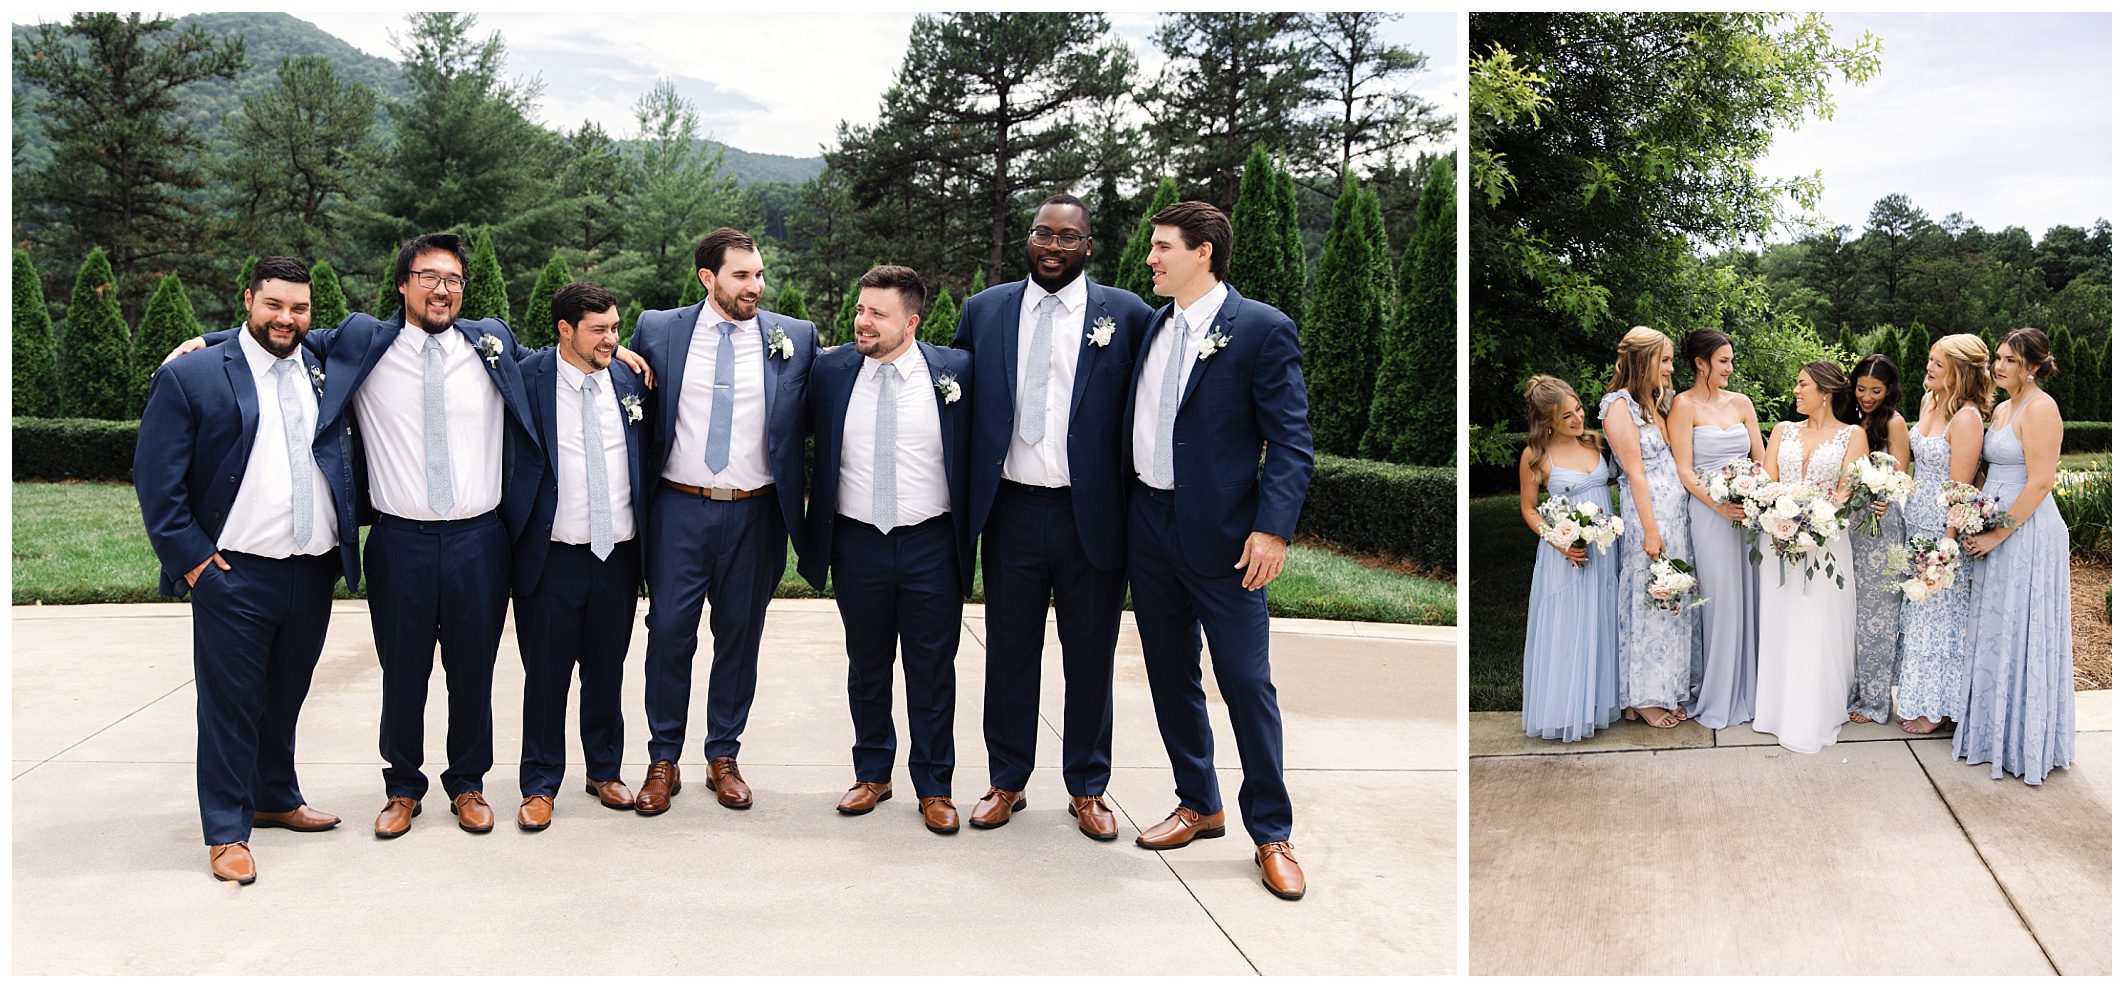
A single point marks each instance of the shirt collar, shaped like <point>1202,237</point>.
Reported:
<point>1204,312</point>
<point>909,362</point>
<point>255,355</point>
<point>1072,295</point>
<point>572,379</point>
<point>711,314</point>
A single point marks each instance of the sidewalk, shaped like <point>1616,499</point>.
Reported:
<point>110,876</point>
<point>1689,851</point>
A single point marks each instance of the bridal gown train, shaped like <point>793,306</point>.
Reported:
<point>1804,657</point>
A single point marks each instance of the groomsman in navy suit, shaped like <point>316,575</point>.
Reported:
<point>247,493</point>
<point>573,510</point>
<point>727,456</point>
<point>1054,355</point>
<point>1222,456</point>
<point>888,517</point>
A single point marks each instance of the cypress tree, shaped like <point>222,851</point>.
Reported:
<point>627,321</point>
<point>328,298</point>
<point>790,302</point>
<point>167,322</point>
<point>844,321</point>
<point>486,289</point>
<point>980,283</point>
<point>1375,234</point>
<point>1849,342</point>
<point>94,345</point>
<point>1294,281</point>
<point>536,329</point>
<point>1917,348</point>
<point>941,323</point>
<point>2099,402</point>
<point>1257,267</point>
<point>2064,387</point>
<point>1131,273</point>
<point>1340,337</point>
<point>243,282</point>
<point>693,292</point>
<point>1414,409</point>
<point>36,364</point>
<point>388,300</point>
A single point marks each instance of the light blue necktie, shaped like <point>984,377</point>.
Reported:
<point>296,428</point>
<point>885,474</point>
<point>1169,404</point>
<point>720,403</point>
<point>1032,405</point>
<point>440,496</point>
<point>594,469</point>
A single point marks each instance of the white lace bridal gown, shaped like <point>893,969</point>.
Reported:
<point>1804,657</point>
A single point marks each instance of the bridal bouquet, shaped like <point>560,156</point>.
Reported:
<point>1970,510</point>
<point>1923,568</point>
<point>1875,479</point>
<point>1734,483</point>
<point>1671,584</point>
<point>1796,519</point>
<point>1568,525</point>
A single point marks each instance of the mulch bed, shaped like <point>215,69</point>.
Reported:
<point>2090,626</point>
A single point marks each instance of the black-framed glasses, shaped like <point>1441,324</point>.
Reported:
<point>1066,241</point>
<point>448,282</point>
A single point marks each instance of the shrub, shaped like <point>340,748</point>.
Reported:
<point>2086,437</point>
<point>167,323</point>
<point>1133,275</point>
<point>1387,508</point>
<point>328,298</point>
<point>1414,401</point>
<point>74,449</point>
<point>486,289</point>
<point>2082,497</point>
<point>36,362</point>
<point>536,328</point>
<point>1340,337</point>
<point>790,302</point>
<point>94,345</point>
<point>942,321</point>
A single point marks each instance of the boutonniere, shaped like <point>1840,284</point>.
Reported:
<point>948,386</point>
<point>1212,343</point>
<point>778,343</point>
<point>317,380</point>
<point>490,347</point>
<point>632,405</point>
<point>1102,332</point>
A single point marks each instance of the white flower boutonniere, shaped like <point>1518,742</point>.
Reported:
<point>778,344</point>
<point>632,405</point>
<point>948,386</point>
<point>317,380</point>
<point>1102,332</point>
<point>1212,343</point>
<point>490,347</point>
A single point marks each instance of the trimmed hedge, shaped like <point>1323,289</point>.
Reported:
<point>1387,508</point>
<point>2086,437</point>
<point>74,449</point>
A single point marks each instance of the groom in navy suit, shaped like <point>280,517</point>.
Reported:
<point>1054,356</point>
<point>247,493</point>
<point>888,517</point>
<point>1222,456</point>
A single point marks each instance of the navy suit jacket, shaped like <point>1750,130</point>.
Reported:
<point>1097,443</point>
<point>195,440</point>
<point>534,484</point>
<point>833,381</point>
<point>663,336</point>
<point>1242,450</point>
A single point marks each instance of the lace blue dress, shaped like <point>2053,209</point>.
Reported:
<point>1656,648</point>
<point>1568,673</point>
<point>2018,708</point>
<point>1880,612</point>
<point>1929,682</point>
<point>1726,644</point>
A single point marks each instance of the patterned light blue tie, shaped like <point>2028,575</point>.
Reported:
<point>296,429</point>
<point>1032,401</point>
<point>1169,404</point>
<point>885,474</point>
<point>440,496</point>
<point>720,403</point>
<point>594,468</point>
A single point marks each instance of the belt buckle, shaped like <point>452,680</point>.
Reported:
<point>722,493</point>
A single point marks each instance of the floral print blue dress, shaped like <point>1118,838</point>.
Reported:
<point>1929,682</point>
<point>1655,647</point>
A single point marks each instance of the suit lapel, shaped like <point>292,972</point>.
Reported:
<point>545,396</point>
<point>494,372</point>
<point>839,392</point>
<point>1013,309</point>
<point>1158,322</point>
<point>681,339</point>
<point>310,366</point>
<point>1088,358</point>
<point>771,368</point>
<point>623,385</point>
<point>1223,323</point>
<point>947,425</point>
<point>239,371</point>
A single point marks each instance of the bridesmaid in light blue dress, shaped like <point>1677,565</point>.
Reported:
<point>1656,647</point>
<point>1946,446</point>
<point>2018,715</point>
<point>1713,427</point>
<point>1876,390</point>
<point>1568,673</point>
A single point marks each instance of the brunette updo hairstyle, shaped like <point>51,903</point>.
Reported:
<point>2034,350</point>
<point>1882,369</point>
<point>1702,344</point>
<point>1831,379</point>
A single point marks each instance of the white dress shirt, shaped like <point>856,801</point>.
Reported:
<point>1152,366</point>
<point>748,468</point>
<point>393,414</point>
<point>571,509</point>
<point>262,519</point>
<point>918,428</point>
<point>1047,464</point>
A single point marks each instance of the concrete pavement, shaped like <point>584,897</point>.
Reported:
<point>110,876</point>
<point>1690,851</point>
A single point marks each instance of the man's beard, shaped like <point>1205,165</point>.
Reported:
<point>731,306</point>
<point>1070,271</point>
<point>264,335</point>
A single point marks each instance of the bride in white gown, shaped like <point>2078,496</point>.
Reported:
<point>1804,658</point>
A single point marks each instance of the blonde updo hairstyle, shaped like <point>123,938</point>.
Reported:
<point>1968,376</point>
<point>1637,369</point>
<point>1547,397</point>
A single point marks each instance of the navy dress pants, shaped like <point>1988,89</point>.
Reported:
<point>731,555</point>
<point>900,588</point>
<point>579,620</point>
<point>437,583</point>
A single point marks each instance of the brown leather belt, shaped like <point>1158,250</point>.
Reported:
<point>719,493</point>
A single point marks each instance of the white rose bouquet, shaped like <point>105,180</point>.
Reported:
<point>1567,525</point>
<point>1734,483</point>
<point>1671,585</point>
<point>1923,567</point>
<point>1970,510</point>
<point>1877,478</point>
<point>1796,519</point>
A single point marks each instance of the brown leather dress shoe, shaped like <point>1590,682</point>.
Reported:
<point>730,787</point>
<point>232,862</point>
<point>657,789</point>
<point>1181,828</point>
<point>536,814</point>
<point>397,816</point>
<point>1279,870</point>
<point>474,816</point>
<point>864,797</point>
<point>1094,820</point>
<point>613,795</point>
<point>301,819</point>
<point>939,815</point>
<point>994,809</point>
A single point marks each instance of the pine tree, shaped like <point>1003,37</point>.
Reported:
<point>790,302</point>
<point>486,289</point>
<point>243,281</point>
<point>980,283</point>
<point>1257,267</point>
<point>942,322</point>
<point>388,300</point>
<point>36,365</point>
<point>1375,234</point>
<point>1294,280</point>
<point>693,292</point>
<point>1414,409</point>
<point>536,328</point>
<point>634,315</point>
<point>1134,275</point>
<point>94,346</point>
<point>1340,338</point>
<point>844,322</point>
<point>167,322</point>
<point>328,299</point>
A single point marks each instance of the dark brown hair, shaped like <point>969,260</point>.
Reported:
<point>1702,344</point>
<point>275,266</point>
<point>901,279</point>
<point>709,250</point>
<point>1198,222</point>
<point>577,298</point>
<point>2034,350</point>
<point>1882,369</point>
<point>448,242</point>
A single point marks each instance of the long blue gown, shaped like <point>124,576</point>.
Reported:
<point>1928,684</point>
<point>1727,580</point>
<point>1568,674</point>
<point>1656,648</point>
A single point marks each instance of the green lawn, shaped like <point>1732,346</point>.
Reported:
<point>1501,568</point>
<point>2081,461</point>
<point>83,544</point>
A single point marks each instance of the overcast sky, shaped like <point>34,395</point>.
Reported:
<point>2003,118</point>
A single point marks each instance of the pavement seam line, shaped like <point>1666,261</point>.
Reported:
<point>55,755</point>
<point>1199,904</point>
<point>2003,890</point>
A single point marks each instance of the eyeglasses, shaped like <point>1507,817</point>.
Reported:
<point>430,280</point>
<point>1066,241</point>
